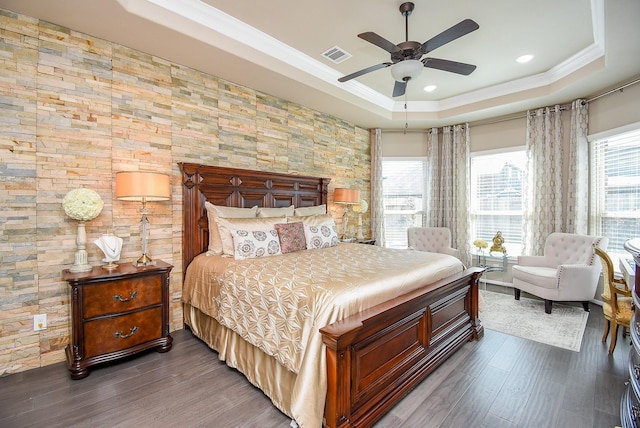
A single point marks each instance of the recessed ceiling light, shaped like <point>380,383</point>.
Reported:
<point>524,59</point>
<point>430,88</point>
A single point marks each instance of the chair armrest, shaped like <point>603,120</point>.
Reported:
<point>532,260</point>
<point>621,291</point>
<point>577,274</point>
<point>451,251</point>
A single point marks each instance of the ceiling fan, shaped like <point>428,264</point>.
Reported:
<point>406,62</point>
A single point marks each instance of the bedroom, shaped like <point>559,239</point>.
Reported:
<point>41,239</point>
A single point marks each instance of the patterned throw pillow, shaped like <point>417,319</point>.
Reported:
<point>292,237</point>
<point>226,225</point>
<point>321,236</point>
<point>249,244</point>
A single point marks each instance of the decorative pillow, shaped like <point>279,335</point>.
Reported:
<point>304,211</point>
<point>226,225</point>
<point>321,236</point>
<point>215,211</point>
<point>249,244</point>
<point>312,220</point>
<point>275,212</point>
<point>291,237</point>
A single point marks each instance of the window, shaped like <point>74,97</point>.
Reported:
<point>403,187</point>
<point>615,189</point>
<point>496,200</point>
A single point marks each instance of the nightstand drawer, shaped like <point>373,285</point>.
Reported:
<point>113,334</point>
<point>122,296</point>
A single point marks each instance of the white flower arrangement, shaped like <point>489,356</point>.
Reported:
<point>82,204</point>
<point>361,207</point>
<point>480,244</point>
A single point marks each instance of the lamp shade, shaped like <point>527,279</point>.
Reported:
<point>142,186</point>
<point>406,70</point>
<point>346,196</point>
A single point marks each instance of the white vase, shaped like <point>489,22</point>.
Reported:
<point>81,263</point>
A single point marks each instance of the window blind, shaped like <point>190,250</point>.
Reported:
<point>615,189</point>
<point>496,197</point>
<point>404,197</point>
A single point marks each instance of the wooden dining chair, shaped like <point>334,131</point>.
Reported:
<point>617,305</point>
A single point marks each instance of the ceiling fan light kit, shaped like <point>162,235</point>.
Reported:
<point>406,70</point>
<point>406,57</point>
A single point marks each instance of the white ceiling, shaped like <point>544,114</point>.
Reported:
<point>582,48</point>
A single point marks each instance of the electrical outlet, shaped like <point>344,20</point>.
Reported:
<point>39,322</point>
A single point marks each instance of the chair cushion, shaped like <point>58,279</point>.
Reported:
<point>540,276</point>
<point>625,309</point>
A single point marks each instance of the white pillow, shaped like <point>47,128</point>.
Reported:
<point>250,244</point>
<point>323,235</point>
<point>304,211</point>
<point>275,212</point>
<point>226,225</point>
<point>311,220</point>
<point>215,211</point>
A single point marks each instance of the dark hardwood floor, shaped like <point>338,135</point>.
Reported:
<point>500,381</point>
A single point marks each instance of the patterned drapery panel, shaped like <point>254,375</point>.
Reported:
<point>577,202</point>
<point>377,201</point>
<point>448,179</point>
<point>543,186</point>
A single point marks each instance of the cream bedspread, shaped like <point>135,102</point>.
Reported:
<point>279,303</point>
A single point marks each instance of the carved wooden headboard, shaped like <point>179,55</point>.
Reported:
<point>241,188</point>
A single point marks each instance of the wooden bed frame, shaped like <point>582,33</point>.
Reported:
<point>376,357</point>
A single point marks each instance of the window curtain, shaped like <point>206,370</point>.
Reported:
<point>543,184</point>
<point>377,201</point>
<point>448,179</point>
<point>578,180</point>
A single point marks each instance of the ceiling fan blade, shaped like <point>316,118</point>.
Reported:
<point>379,41</point>
<point>446,65</point>
<point>458,30</point>
<point>364,71</point>
<point>399,88</point>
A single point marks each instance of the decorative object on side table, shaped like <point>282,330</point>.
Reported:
<point>360,208</point>
<point>111,246</point>
<point>345,197</point>
<point>140,186</point>
<point>82,205</point>
<point>480,245</point>
<point>497,246</point>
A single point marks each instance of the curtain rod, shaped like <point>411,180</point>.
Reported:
<point>524,114</point>
<point>611,91</point>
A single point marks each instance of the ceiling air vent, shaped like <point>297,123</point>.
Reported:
<point>336,54</point>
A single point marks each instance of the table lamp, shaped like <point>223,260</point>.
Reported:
<point>346,197</point>
<point>141,186</point>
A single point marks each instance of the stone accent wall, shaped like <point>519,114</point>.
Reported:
<point>74,110</point>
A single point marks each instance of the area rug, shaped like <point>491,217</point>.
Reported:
<point>526,318</point>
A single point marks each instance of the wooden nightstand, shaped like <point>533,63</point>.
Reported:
<point>117,313</point>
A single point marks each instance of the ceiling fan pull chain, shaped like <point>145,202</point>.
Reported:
<point>406,115</point>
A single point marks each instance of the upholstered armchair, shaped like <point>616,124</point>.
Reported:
<point>432,239</point>
<point>568,270</point>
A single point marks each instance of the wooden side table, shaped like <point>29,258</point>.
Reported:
<point>117,313</point>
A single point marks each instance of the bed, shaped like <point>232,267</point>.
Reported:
<point>356,355</point>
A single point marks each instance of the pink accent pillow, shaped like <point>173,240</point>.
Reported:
<point>291,237</point>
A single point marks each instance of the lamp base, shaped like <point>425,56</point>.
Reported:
<point>144,261</point>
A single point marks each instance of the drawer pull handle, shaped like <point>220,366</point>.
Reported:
<point>132,331</point>
<point>132,295</point>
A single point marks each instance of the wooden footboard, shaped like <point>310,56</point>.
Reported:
<point>376,357</point>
